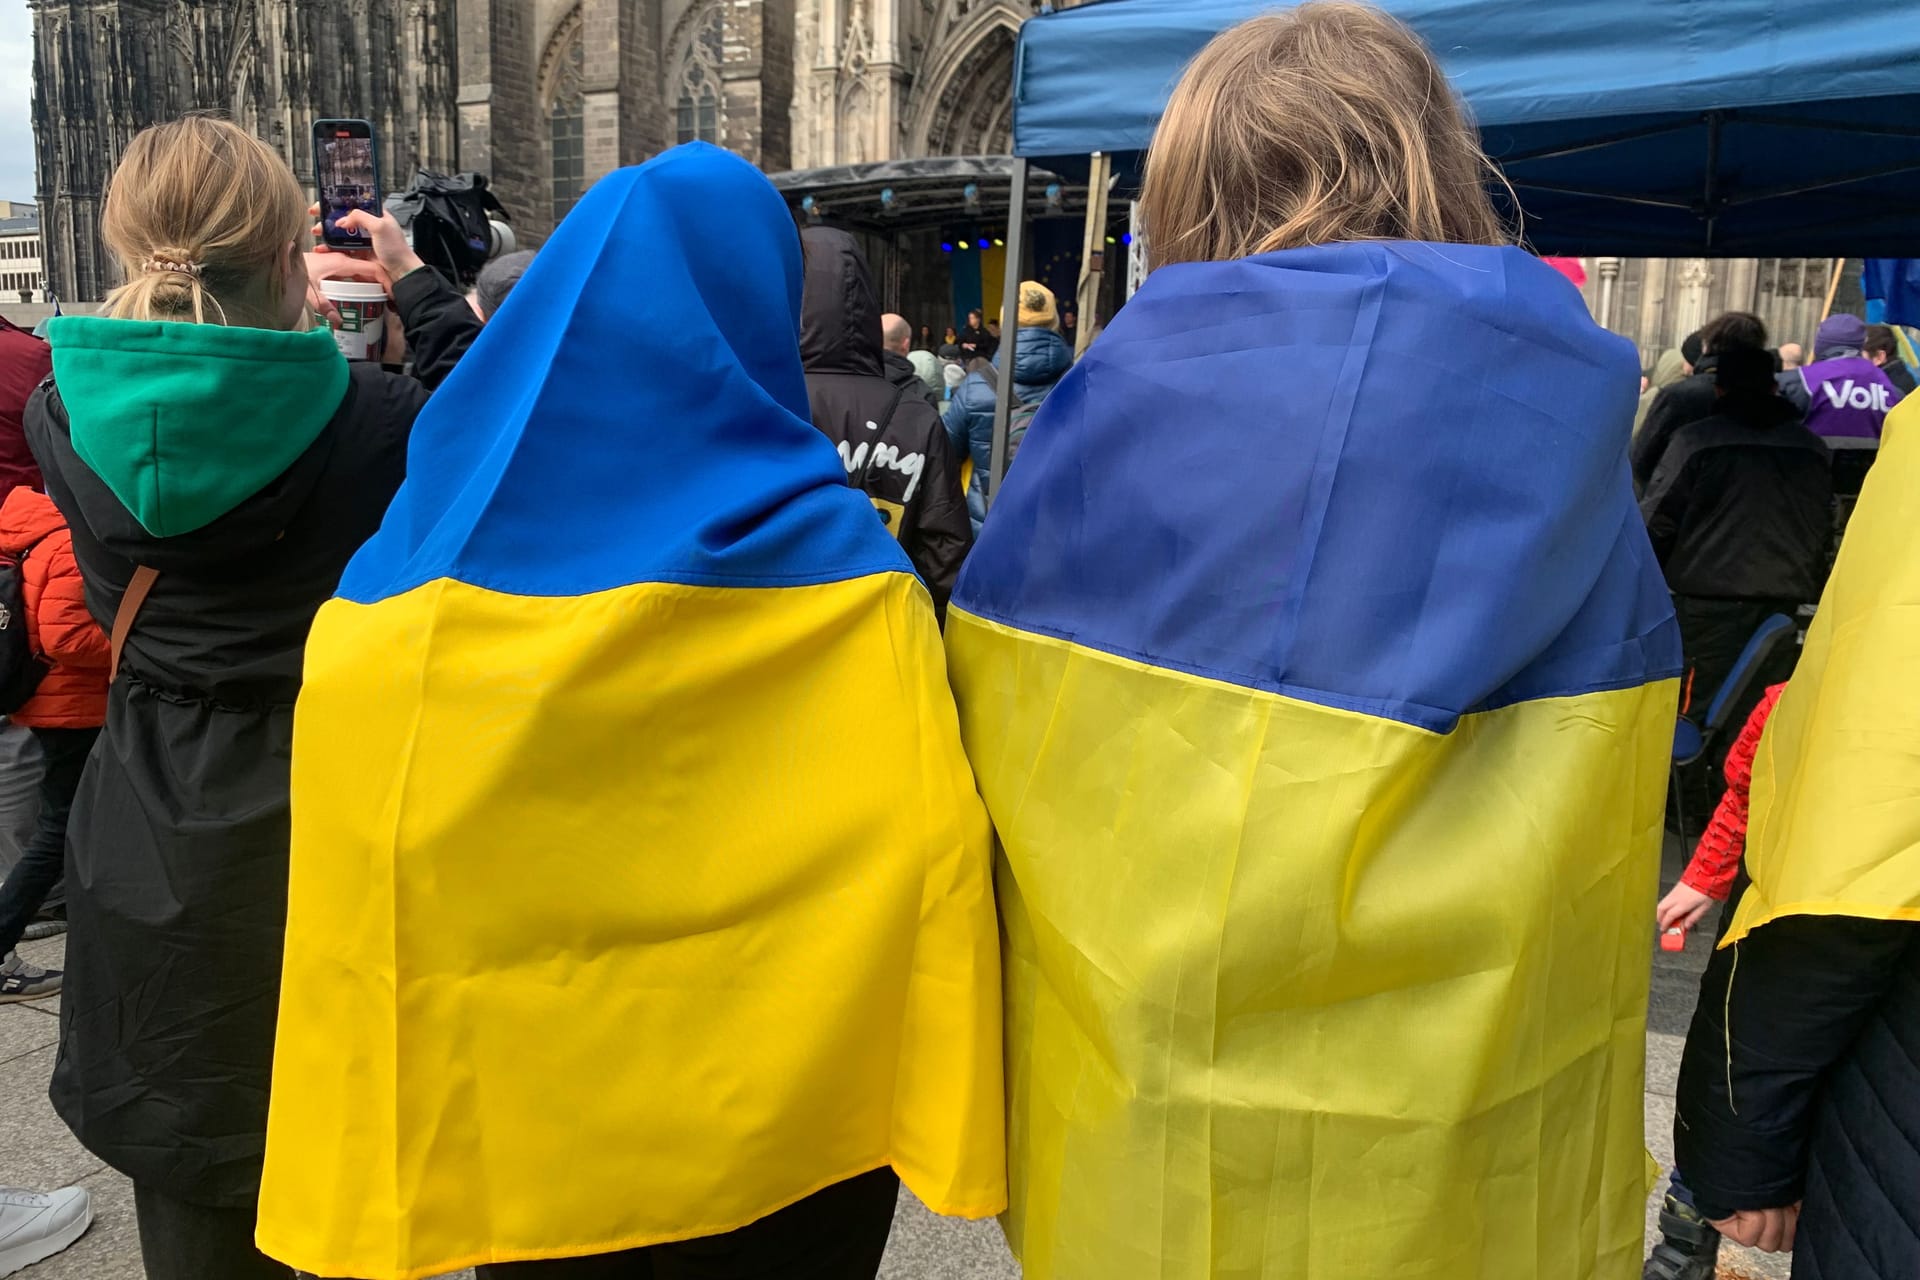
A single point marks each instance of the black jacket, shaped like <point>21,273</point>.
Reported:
<point>1741,507</point>
<point>1899,375</point>
<point>892,442</point>
<point>1813,1023</point>
<point>983,344</point>
<point>439,320</point>
<point>177,847</point>
<point>901,373</point>
<point>1686,401</point>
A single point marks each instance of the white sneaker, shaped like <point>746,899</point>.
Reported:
<point>35,1226</point>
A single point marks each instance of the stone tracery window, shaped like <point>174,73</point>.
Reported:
<point>696,85</point>
<point>566,122</point>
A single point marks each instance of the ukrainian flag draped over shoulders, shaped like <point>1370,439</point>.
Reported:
<point>1836,804</point>
<point>1318,676</point>
<point>640,887</point>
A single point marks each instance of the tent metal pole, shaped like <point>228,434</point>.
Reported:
<point>1009,326</point>
<point>1093,251</point>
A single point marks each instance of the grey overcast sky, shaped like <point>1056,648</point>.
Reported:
<point>16,101</point>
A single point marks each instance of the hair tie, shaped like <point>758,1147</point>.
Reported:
<point>158,263</point>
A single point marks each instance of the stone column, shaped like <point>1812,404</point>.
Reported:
<point>625,123</point>
<point>498,129</point>
<point>1609,270</point>
<point>756,81</point>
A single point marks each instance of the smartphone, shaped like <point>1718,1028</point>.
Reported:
<point>346,167</point>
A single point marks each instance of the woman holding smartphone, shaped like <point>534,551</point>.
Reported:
<point>218,461</point>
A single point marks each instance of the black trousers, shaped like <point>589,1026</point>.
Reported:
<point>836,1234</point>
<point>182,1241</point>
<point>41,862</point>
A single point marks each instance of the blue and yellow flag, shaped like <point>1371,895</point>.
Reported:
<point>1319,679</point>
<point>640,887</point>
<point>1835,824</point>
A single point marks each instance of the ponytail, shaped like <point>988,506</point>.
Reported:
<point>200,213</point>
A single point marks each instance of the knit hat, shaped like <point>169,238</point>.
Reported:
<point>1842,333</point>
<point>497,279</point>
<point>1037,310</point>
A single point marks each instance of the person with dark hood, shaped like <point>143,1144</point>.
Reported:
<point>1883,348</point>
<point>889,435</point>
<point>218,462</point>
<point>1740,514</point>
<point>1693,397</point>
<point>1041,357</point>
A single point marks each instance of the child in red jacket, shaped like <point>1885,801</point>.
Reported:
<point>1716,862</point>
<point>65,715</point>
<point>1689,1247</point>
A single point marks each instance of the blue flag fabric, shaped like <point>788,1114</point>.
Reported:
<point>1895,284</point>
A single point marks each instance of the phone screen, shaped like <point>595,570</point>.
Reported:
<point>343,159</point>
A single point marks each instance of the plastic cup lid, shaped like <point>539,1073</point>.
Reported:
<point>353,291</point>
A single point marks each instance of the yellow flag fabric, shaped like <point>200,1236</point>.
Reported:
<point>1321,691</point>
<point>1835,822</point>
<point>640,887</point>
<point>1297,993</point>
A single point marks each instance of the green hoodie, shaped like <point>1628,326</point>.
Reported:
<point>184,422</point>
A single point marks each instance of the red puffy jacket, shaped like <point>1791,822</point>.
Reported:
<point>74,693</point>
<point>1716,863</point>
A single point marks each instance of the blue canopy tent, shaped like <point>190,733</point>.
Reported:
<point>1749,128</point>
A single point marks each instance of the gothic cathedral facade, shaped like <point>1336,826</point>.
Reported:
<point>543,96</point>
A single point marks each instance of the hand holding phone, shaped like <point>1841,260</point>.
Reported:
<point>346,167</point>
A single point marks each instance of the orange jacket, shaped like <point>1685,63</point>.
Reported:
<point>74,693</point>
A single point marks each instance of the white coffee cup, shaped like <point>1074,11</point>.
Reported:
<point>363,317</point>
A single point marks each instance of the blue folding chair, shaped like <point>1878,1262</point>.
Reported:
<point>1690,740</point>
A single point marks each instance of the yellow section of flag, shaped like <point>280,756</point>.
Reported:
<point>1297,993</point>
<point>672,902</point>
<point>1835,825</point>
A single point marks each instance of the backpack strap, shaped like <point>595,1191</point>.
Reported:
<point>138,587</point>
<point>879,433</point>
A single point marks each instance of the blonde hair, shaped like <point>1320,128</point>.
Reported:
<point>199,212</point>
<point>1327,123</point>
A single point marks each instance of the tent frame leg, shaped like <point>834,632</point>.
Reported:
<point>1009,326</point>
<point>1093,251</point>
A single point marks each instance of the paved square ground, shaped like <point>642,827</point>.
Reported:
<point>37,1151</point>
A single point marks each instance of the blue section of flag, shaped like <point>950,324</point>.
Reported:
<point>1895,283</point>
<point>635,412</point>
<point>1386,477</point>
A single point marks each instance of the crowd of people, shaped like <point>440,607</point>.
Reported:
<point>598,793</point>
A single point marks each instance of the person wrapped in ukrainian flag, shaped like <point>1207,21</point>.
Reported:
<point>1797,1116</point>
<point>1320,681</point>
<point>640,893</point>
